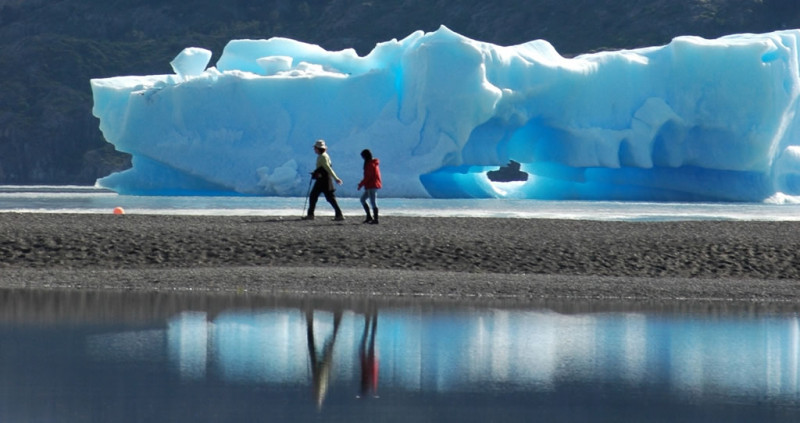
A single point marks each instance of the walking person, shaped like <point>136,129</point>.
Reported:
<point>371,184</point>
<point>323,177</point>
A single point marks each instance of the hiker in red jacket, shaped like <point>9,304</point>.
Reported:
<point>371,184</point>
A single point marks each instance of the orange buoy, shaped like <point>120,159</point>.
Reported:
<point>119,210</point>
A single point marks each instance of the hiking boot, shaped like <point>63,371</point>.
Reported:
<point>307,217</point>
<point>374,220</point>
<point>338,218</point>
<point>369,216</point>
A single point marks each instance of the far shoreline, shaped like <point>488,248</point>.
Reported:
<point>410,285</point>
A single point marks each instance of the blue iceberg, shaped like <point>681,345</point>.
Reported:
<point>694,120</point>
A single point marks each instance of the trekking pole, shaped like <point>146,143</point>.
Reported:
<point>310,180</point>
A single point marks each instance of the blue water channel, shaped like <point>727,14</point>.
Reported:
<point>81,199</point>
<point>181,357</point>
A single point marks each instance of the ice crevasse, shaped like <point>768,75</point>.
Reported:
<point>694,120</point>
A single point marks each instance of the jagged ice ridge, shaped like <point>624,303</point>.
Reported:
<point>695,120</point>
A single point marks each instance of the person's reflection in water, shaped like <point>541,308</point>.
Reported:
<point>321,366</point>
<point>369,360</point>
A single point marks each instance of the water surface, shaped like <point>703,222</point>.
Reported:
<point>77,199</point>
<point>132,357</point>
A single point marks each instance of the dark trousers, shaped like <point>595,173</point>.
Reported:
<point>330,196</point>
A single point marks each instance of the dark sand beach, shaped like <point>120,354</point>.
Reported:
<point>405,256</point>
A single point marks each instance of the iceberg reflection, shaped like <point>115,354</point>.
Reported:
<point>494,349</point>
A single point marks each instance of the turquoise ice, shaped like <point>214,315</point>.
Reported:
<point>694,120</point>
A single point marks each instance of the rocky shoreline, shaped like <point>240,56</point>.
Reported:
<point>404,256</point>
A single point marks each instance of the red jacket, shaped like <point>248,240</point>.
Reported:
<point>372,175</point>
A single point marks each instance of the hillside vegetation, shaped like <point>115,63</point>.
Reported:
<point>50,49</point>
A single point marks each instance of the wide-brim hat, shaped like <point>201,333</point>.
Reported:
<point>320,144</point>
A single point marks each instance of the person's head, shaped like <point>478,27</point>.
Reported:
<point>319,146</point>
<point>366,155</point>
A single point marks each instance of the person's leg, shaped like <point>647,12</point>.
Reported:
<point>312,201</point>
<point>331,197</point>
<point>373,194</point>
<point>364,205</point>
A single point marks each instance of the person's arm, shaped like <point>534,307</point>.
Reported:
<point>324,162</point>
<point>378,183</point>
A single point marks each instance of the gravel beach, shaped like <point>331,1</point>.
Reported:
<point>404,256</point>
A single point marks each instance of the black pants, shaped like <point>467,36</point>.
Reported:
<point>320,187</point>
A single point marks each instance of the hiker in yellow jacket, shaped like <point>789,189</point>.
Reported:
<point>323,177</point>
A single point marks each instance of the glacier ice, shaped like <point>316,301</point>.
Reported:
<point>694,120</point>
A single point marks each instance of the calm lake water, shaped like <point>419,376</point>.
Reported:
<point>158,357</point>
